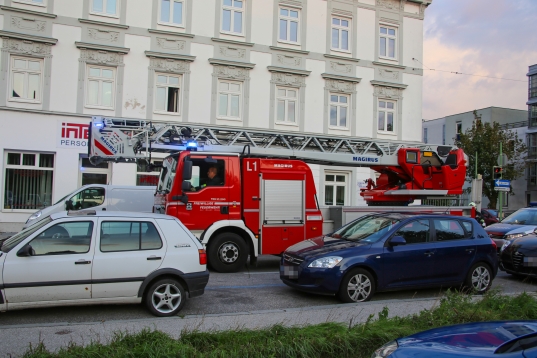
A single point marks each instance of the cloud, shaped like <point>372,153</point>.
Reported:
<point>482,37</point>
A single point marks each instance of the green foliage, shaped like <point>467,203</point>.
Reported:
<point>484,139</point>
<point>324,340</point>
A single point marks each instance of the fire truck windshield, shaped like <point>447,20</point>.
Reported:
<point>165,181</point>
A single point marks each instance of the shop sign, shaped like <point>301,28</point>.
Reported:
<point>72,135</point>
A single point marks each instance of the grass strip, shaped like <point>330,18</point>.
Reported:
<point>328,339</point>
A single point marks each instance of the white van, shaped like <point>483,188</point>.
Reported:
<point>101,197</point>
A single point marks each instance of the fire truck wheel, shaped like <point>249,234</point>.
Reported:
<point>227,253</point>
<point>357,286</point>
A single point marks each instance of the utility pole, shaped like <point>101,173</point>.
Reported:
<point>501,177</point>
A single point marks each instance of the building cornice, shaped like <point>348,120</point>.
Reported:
<point>171,33</point>
<point>215,61</point>
<point>102,23</point>
<point>26,37</point>
<point>388,84</point>
<point>288,70</point>
<point>329,76</point>
<point>170,56</point>
<point>29,12</point>
<point>98,47</point>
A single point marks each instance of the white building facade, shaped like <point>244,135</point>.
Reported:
<point>341,67</point>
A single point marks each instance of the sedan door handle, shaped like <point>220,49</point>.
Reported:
<point>150,258</point>
<point>82,262</point>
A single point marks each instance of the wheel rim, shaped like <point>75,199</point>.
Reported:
<point>228,252</point>
<point>480,278</point>
<point>166,298</point>
<point>359,288</point>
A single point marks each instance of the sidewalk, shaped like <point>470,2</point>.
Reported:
<point>16,339</point>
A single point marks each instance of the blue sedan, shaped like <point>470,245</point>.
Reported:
<point>392,251</point>
<point>505,339</point>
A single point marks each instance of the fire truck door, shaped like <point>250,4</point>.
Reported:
<point>282,213</point>
<point>208,201</point>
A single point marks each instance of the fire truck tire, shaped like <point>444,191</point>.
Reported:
<point>227,252</point>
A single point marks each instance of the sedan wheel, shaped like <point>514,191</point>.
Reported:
<point>479,278</point>
<point>165,298</point>
<point>357,286</point>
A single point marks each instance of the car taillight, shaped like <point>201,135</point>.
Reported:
<point>494,245</point>
<point>203,257</point>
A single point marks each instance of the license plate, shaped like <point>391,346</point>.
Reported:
<point>530,261</point>
<point>289,271</point>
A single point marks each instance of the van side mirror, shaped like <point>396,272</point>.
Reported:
<point>397,241</point>
<point>26,250</point>
<point>187,170</point>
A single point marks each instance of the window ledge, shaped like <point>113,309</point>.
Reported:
<point>388,64</point>
<point>16,35</point>
<point>168,113</point>
<point>341,58</point>
<point>171,24</point>
<point>276,48</point>
<point>388,84</point>
<point>92,46</point>
<point>345,129</point>
<point>286,124</point>
<point>386,133</point>
<point>289,42</point>
<point>216,39</point>
<point>21,100</point>
<point>229,119</point>
<point>99,107</point>
<point>341,51</point>
<point>232,34</point>
<point>171,33</point>
<point>95,22</point>
<point>214,61</point>
<point>170,56</point>
<point>30,12</point>
<point>288,70</point>
<point>104,15</point>
<point>340,78</point>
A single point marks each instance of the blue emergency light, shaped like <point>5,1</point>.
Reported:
<point>191,144</point>
<point>98,124</point>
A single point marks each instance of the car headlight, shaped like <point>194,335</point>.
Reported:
<point>513,236</point>
<point>326,262</point>
<point>34,216</point>
<point>504,246</point>
<point>385,350</point>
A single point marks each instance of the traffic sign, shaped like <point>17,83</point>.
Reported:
<point>502,185</point>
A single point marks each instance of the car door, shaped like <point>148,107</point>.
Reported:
<point>454,248</point>
<point>409,264</point>
<point>127,252</point>
<point>59,267</point>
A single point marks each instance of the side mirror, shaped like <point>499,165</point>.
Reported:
<point>69,205</point>
<point>397,241</point>
<point>186,185</point>
<point>182,198</point>
<point>187,170</point>
<point>26,250</point>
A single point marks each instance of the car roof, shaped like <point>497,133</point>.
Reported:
<point>108,214</point>
<point>417,215</point>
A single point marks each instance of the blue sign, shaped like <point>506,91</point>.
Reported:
<point>502,183</point>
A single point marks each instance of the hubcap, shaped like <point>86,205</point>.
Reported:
<point>166,298</point>
<point>228,252</point>
<point>480,278</point>
<point>359,288</point>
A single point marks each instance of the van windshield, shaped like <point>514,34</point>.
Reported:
<point>167,174</point>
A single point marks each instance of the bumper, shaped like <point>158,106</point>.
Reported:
<point>319,281</point>
<point>196,282</point>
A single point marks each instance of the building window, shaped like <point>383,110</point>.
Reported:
<point>287,104</point>
<point>387,45</point>
<point>532,112</point>
<point>340,34</point>
<point>105,7</point>
<point>229,100</point>
<point>458,130</point>
<point>93,174</point>
<point>148,175</point>
<point>339,110</point>
<point>232,16</point>
<point>26,79</point>
<point>424,135</point>
<point>167,93</point>
<point>335,186</point>
<point>289,20</point>
<point>532,145</point>
<point>443,134</point>
<point>171,12</point>
<point>28,180</point>
<point>100,87</point>
<point>386,121</point>
<point>533,86</point>
<point>533,174</point>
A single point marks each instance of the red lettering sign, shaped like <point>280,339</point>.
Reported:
<point>75,130</point>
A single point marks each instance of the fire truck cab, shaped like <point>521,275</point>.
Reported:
<point>251,206</point>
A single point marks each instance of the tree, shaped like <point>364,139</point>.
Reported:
<point>484,139</point>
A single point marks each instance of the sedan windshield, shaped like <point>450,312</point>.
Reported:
<point>522,217</point>
<point>369,229</point>
<point>14,240</point>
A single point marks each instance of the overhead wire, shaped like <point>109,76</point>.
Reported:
<point>466,74</point>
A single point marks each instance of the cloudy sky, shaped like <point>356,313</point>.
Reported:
<point>496,38</point>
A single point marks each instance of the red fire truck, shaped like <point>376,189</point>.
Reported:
<point>250,192</point>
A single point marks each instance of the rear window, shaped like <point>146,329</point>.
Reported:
<point>129,236</point>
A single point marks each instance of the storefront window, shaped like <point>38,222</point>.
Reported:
<point>28,180</point>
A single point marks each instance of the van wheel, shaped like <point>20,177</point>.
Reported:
<point>227,253</point>
<point>165,298</point>
<point>479,278</point>
<point>357,286</point>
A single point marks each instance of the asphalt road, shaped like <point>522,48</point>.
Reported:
<point>251,290</point>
